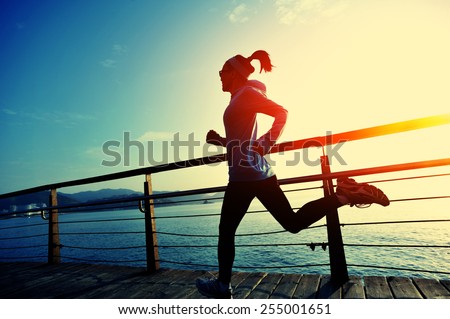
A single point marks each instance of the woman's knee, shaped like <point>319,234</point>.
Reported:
<point>227,230</point>
<point>294,229</point>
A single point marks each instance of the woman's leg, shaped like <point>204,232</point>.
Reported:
<point>238,197</point>
<point>272,197</point>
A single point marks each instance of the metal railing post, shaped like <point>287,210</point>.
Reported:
<point>151,240</point>
<point>338,264</point>
<point>54,256</point>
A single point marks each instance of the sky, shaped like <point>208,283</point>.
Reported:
<point>84,83</point>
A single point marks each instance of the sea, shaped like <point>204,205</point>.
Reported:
<point>187,239</point>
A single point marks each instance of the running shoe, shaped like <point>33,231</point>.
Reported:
<point>360,194</point>
<point>213,288</point>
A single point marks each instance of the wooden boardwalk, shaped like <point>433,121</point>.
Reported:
<point>67,280</point>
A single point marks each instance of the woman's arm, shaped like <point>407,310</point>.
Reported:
<point>266,141</point>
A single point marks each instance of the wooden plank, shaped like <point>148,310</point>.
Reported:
<point>265,288</point>
<point>377,287</point>
<point>244,289</point>
<point>23,272</point>
<point>178,285</point>
<point>114,290</point>
<point>307,287</point>
<point>81,282</point>
<point>8,269</point>
<point>286,287</point>
<point>445,283</point>
<point>24,286</point>
<point>159,285</point>
<point>65,284</point>
<point>67,280</point>
<point>13,279</point>
<point>43,282</point>
<point>403,288</point>
<point>432,288</point>
<point>138,291</point>
<point>102,281</point>
<point>193,293</point>
<point>353,288</point>
<point>166,276</point>
<point>238,278</point>
<point>142,286</point>
<point>328,289</point>
<point>186,287</point>
<point>175,276</point>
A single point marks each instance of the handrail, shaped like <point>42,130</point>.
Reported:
<point>319,141</point>
<point>285,181</point>
<point>364,133</point>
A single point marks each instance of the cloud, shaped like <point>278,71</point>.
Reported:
<point>120,49</point>
<point>108,63</point>
<point>94,152</point>
<point>117,50</point>
<point>9,112</point>
<point>68,119</point>
<point>308,11</point>
<point>78,117</point>
<point>20,26</point>
<point>156,136</point>
<point>241,14</point>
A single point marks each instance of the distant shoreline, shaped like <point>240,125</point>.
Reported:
<point>32,204</point>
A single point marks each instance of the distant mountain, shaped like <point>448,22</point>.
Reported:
<point>106,193</point>
<point>41,199</point>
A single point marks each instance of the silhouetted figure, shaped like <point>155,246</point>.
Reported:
<point>250,175</point>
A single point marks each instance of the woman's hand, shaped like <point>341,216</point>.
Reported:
<point>212,137</point>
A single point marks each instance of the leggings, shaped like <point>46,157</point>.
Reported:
<point>238,197</point>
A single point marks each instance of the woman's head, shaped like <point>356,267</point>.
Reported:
<point>237,69</point>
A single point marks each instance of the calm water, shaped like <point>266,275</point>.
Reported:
<point>435,259</point>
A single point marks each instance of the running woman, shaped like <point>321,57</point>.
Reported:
<point>250,175</point>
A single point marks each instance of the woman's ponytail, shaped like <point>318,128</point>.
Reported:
<point>264,60</point>
<point>244,66</point>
